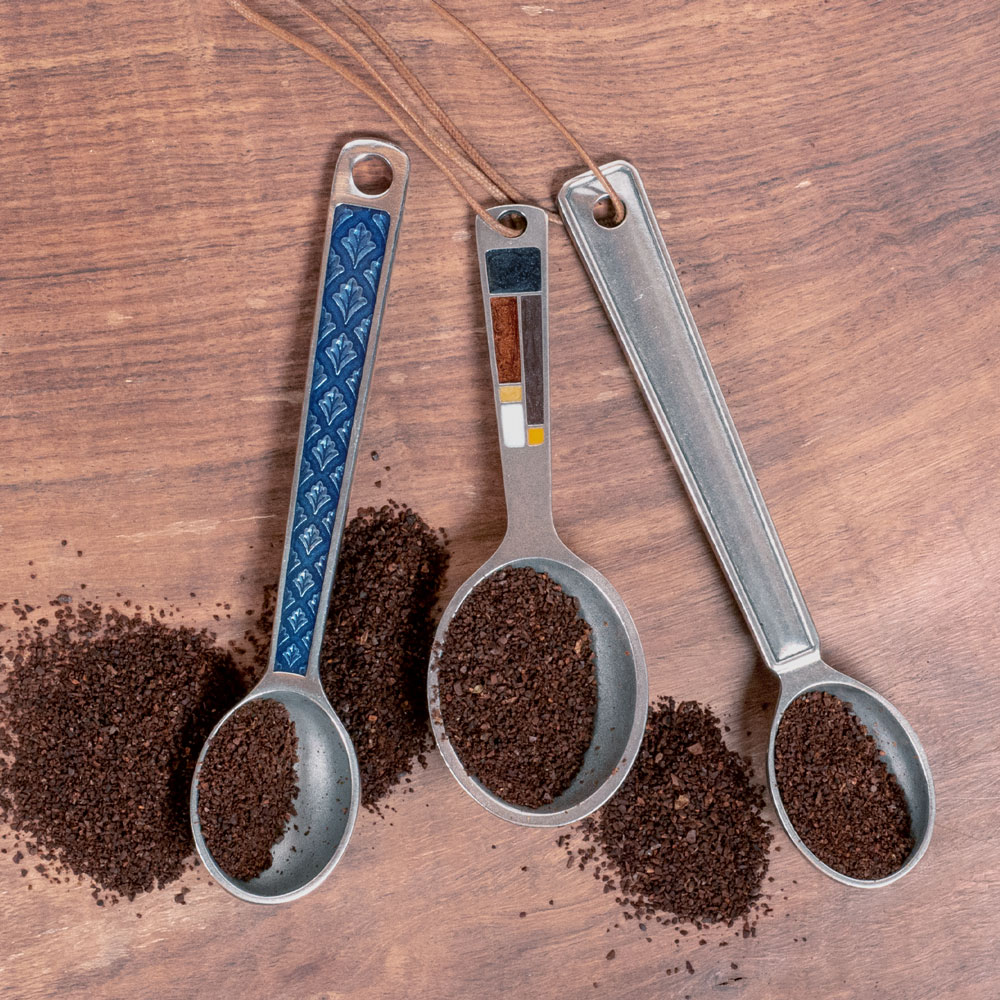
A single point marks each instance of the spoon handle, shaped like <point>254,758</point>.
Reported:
<point>514,276</point>
<point>635,280</point>
<point>357,258</point>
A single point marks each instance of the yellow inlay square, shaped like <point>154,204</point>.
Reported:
<point>510,394</point>
<point>536,435</point>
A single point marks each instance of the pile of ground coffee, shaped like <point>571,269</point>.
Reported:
<point>684,835</point>
<point>517,686</point>
<point>378,641</point>
<point>247,788</point>
<point>842,800</point>
<point>102,717</point>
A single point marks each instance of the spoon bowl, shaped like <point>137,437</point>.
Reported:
<point>620,715</point>
<point>325,808</point>
<point>904,757</point>
<point>513,272</point>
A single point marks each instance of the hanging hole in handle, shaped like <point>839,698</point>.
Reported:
<point>514,220</point>
<point>604,213</point>
<point>372,174</point>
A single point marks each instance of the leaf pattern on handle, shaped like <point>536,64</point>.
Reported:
<point>358,244</point>
<point>310,538</point>
<point>318,497</point>
<point>334,269</point>
<point>361,331</point>
<point>327,325</point>
<point>370,274</point>
<point>352,382</point>
<point>351,282</point>
<point>304,582</point>
<point>332,404</point>
<point>325,452</point>
<point>340,353</point>
<point>297,620</point>
<point>348,299</point>
<point>291,653</point>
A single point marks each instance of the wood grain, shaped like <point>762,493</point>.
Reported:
<point>826,178</point>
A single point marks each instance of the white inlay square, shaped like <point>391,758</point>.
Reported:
<point>512,424</point>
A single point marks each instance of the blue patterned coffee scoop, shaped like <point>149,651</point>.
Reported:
<point>357,258</point>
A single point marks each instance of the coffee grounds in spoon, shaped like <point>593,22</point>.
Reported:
<point>102,717</point>
<point>247,787</point>
<point>841,798</point>
<point>378,639</point>
<point>684,835</point>
<point>517,686</point>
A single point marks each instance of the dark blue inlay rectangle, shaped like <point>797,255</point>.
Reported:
<point>516,270</point>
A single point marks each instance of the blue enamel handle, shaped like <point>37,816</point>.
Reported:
<point>357,261</point>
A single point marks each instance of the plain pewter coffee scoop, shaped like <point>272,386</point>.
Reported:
<point>514,282</point>
<point>361,239</point>
<point>632,273</point>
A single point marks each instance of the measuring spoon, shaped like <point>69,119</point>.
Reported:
<point>514,276</point>
<point>357,258</point>
<point>635,280</point>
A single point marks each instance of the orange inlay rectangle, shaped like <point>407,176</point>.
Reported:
<point>536,435</point>
<point>510,394</point>
<point>506,341</point>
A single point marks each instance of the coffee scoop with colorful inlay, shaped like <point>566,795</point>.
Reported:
<point>513,272</point>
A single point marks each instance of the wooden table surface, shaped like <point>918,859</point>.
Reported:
<point>826,177</point>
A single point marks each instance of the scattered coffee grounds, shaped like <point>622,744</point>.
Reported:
<point>247,787</point>
<point>257,637</point>
<point>378,640</point>
<point>102,717</point>
<point>842,800</point>
<point>517,686</point>
<point>684,835</point>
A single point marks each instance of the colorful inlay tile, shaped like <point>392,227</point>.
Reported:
<point>534,383</point>
<point>516,270</point>
<point>512,425</point>
<point>506,342</point>
<point>510,394</point>
<point>536,435</point>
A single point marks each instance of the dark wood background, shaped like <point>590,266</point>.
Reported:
<point>826,177</point>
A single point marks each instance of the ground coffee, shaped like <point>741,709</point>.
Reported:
<point>517,686</point>
<point>102,717</point>
<point>842,800</point>
<point>378,641</point>
<point>684,835</point>
<point>247,787</point>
